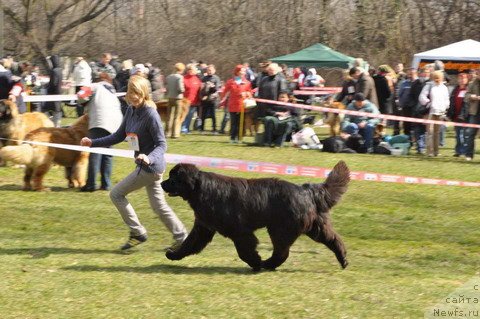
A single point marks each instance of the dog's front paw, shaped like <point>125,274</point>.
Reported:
<point>172,255</point>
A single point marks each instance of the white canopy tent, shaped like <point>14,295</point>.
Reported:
<point>458,56</point>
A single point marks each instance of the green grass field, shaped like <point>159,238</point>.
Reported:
<point>409,246</point>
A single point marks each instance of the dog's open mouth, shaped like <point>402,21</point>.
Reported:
<point>173,194</point>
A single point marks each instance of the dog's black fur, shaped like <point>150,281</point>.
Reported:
<point>236,207</point>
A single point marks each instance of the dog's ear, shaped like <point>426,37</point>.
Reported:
<point>188,174</point>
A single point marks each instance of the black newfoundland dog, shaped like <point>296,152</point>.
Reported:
<point>236,207</point>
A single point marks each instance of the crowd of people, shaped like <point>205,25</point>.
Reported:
<point>414,93</point>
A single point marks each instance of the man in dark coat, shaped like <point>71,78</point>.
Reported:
<point>269,88</point>
<point>415,90</point>
<point>359,82</point>
<point>54,109</point>
<point>365,85</point>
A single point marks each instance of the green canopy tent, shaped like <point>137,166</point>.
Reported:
<point>317,55</point>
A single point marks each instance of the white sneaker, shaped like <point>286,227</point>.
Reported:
<point>468,158</point>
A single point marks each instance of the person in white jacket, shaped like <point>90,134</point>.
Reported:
<point>105,117</point>
<point>313,79</point>
<point>82,76</point>
<point>435,95</point>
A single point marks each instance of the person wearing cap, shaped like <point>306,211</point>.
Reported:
<point>363,125</point>
<point>262,66</point>
<point>236,90</point>
<point>138,69</point>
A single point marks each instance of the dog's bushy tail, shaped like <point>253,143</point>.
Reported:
<point>19,154</point>
<point>336,184</point>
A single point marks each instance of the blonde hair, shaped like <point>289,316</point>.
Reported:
<point>437,75</point>
<point>275,67</point>
<point>179,67</point>
<point>138,85</point>
<point>127,64</point>
<point>191,67</point>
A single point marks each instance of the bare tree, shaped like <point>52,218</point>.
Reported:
<point>45,26</point>
<point>232,31</point>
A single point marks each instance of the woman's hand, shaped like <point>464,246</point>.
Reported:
<point>86,142</point>
<point>144,158</point>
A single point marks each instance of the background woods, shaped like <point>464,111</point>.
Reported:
<point>225,33</point>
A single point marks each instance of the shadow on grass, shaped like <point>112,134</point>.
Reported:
<point>10,187</point>
<point>178,269</point>
<point>162,268</point>
<point>15,187</point>
<point>44,252</point>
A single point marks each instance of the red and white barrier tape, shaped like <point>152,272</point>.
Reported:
<point>56,97</point>
<point>267,168</point>
<point>73,97</point>
<point>333,89</point>
<point>313,92</point>
<point>357,113</point>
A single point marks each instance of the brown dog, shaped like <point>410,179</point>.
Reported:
<point>249,122</point>
<point>334,119</point>
<point>15,126</point>
<point>162,109</point>
<point>38,159</point>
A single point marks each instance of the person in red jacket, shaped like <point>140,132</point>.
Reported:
<point>193,84</point>
<point>235,91</point>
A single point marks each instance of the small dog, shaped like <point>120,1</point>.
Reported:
<point>236,207</point>
<point>334,119</point>
<point>249,122</point>
<point>38,159</point>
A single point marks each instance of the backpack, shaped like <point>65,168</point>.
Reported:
<point>420,109</point>
<point>335,144</point>
<point>356,142</point>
